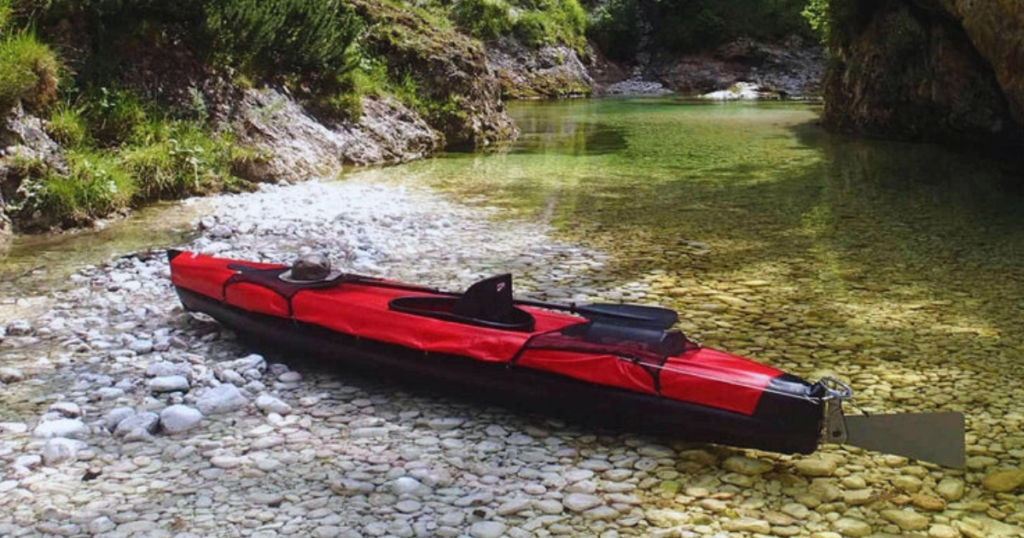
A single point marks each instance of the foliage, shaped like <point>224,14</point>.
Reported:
<point>175,158</point>
<point>485,19</point>
<point>6,14</point>
<point>114,114</point>
<point>534,22</point>
<point>305,37</point>
<point>28,72</point>
<point>691,26</point>
<point>615,28</point>
<point>96,185</point>
<point>817,15</point>
<point>554,21</point>
<point>68,125</point>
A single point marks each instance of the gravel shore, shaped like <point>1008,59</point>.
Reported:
<point>122,415</point>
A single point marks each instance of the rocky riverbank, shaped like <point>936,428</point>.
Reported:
<point>122,415</point>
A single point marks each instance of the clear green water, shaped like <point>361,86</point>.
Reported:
<point>815,251</point>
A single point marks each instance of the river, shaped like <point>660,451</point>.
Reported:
<point>895,267</point>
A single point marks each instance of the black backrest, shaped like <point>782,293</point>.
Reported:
<point>490,300</point>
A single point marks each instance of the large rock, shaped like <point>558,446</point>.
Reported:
<point>59,450</point>
<point>747,466</point>
<point>179,418</point>
<point>11,375</point>
<point>23,139</point>
<point>1004,481</point>
<point>450,67</point>
<point>171,383</point>
<point>907,520</point>
<point>928,69</point>
<point>792,68</point>
<point>63,427</point>
<point>137,426</point>
<point>221,399</point>
<point>301,146</point>
<point>535,72</point>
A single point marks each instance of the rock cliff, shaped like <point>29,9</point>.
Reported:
<point>942,70</point>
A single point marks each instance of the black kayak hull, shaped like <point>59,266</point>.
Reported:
<point>781,423</point>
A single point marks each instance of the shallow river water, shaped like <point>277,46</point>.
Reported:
<point>898,268</point>
<point>770,235</point>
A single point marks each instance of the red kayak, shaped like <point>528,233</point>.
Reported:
<point>609,369</point>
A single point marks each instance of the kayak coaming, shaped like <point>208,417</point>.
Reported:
<point>758,407</point>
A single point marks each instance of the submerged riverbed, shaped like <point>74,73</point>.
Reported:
<point>895,267</point>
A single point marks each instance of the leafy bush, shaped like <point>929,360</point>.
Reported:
<point>28,72</point>
<point>615,28</point>
<point>308,37</point>
<point>485,19</point>
<point>817,15</point>
<point>68,125</point>
<point>6,14</point>
<point>114,114</point>
<point>692,26</point>
<point>95,186</point>
<point>552,22</point>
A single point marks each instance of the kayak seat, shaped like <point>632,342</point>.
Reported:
<point>488,303</point>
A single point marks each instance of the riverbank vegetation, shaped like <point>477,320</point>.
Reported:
<point>99,74</point>
<point>619,27</point>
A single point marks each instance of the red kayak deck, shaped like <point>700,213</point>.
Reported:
<point>698,375</point>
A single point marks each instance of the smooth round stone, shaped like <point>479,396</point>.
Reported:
<point>179,418</point>
<point>746,466</point>
<point>63,427</point>
<point>549,506</point>
<point>408,506</point>
<point>851,527</point>
<point>580,502</point>
<point>487,529</point>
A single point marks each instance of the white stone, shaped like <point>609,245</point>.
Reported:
<point>579,502</point>
<point>270,404</point>
<point>64,427</point>
<point>738,91</point>
<point>221,399</point>
<point>166,369</point>
<point>487,529</point>
<point>514,506</point>
<point>101,525</point>
<point>68,409</point>
<point>11,375</point>
<point>115,416</point>
<point>141,423</point>
<point>406,485</point>
<point>179,418</point>
<point>171,383</point>
<point>59,450</point>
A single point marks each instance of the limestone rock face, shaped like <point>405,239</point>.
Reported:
<point>928,70</point>
<point>301,146</point>
<point>451,67</point>
<point>545,72</point>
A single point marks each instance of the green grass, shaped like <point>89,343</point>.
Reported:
<point>534,22</point>
<point>176,158</point>
<point>28,72</point>
<point>68,125</point>
<point>113,114</point>
<point>312,38</point>
<point>484,19</point>
<point>96,185</point>
<point>6,14</point>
